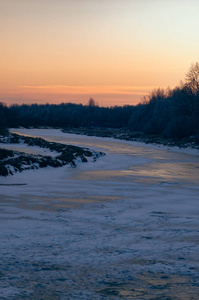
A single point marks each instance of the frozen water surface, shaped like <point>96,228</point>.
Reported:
<point>124,227</point>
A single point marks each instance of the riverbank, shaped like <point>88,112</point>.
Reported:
<point>12,161</point>
<point>126,134</point>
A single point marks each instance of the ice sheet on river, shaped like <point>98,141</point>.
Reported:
<point>125,226</point>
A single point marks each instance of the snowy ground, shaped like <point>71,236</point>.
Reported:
<point>35,150</point>
<point>124,227</point>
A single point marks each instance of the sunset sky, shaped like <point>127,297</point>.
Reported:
<point>114,51</point>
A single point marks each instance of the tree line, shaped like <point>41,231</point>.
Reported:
<point>65,115</point>
<point>166,112</point>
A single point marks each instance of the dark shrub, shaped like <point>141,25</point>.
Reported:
<point>3,170</point>
<point>4,153</point>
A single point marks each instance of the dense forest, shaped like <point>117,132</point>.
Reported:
<point>172,113</point>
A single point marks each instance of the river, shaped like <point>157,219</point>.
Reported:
<point>124,227</point>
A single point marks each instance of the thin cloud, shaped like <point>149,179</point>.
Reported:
<point>60,89</point>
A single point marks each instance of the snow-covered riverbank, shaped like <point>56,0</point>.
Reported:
<point>19,153</point>
<point>124,227</point>
<point>58,135</point>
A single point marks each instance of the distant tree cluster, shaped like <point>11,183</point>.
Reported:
<point>170,113</point>
<point>65,115</point>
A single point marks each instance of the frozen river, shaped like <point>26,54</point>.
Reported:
<point>124,227</point>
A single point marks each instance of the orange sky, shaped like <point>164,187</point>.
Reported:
<point>112,50</point>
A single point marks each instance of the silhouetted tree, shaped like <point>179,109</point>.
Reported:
<point>92,103</point>
<point>3,115</point>
<point>192,78</point>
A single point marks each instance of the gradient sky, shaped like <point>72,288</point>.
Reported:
<point>112,50</point>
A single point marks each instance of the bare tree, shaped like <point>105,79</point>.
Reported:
<point>92,103</point>
<point>192,78</point>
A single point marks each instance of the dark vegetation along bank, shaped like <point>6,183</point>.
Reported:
<point>164,114</point>
<point>14,161</point>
